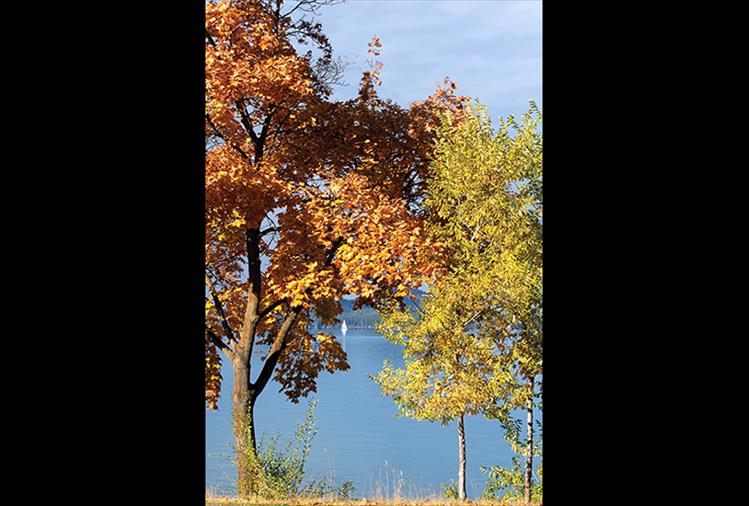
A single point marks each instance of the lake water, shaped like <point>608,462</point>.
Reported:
<point>359,438</point>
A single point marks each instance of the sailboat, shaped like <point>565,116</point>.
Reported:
<point>344,329</point>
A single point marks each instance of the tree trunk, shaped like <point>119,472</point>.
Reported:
<point>461,460</point>
<point>249,477</point>
<point>244,432</point>
<point>529,450</point>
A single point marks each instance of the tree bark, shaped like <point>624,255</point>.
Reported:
<point>244,393</point>
<point>529,449</point>
<point>244,430</point>
<point>461,460</point>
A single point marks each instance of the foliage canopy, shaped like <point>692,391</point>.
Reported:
<point>477,333</point>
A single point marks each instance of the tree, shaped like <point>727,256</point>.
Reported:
<point>448,372</point>
<point>515,309</point>
<point>478,328</point>
<point>306,200</point>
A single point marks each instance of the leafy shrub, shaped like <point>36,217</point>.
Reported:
<point>450,490</point>
<point>509,483</point>
<point>280,468</point>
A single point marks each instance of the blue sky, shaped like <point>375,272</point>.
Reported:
<point>490,48</point>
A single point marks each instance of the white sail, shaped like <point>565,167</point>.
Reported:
<point>344,328</point>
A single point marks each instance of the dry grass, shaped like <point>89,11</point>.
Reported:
<point>211,500</point>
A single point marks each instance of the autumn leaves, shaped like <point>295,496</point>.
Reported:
<point>309,199</point>
<point>331,186</point>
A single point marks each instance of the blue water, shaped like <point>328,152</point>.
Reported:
<point>359,438</point>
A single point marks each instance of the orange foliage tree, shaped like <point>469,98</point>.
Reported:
<point>307,199</point>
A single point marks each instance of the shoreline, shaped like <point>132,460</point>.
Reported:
<point>234,501</point>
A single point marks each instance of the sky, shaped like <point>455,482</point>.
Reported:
<point>490,48</point>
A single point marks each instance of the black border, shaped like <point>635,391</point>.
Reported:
<point>131,249</point>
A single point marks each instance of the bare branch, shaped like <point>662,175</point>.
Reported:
<point>220,311</point>
<point>220,344</point>
<point>269,230</point>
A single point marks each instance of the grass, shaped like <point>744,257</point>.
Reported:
<point>211,500</point>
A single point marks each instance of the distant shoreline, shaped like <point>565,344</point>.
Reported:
<point>349,328</point>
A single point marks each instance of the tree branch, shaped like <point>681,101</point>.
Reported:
<point>265,312</point>
<point>222,137</point>
<point>279,343</point>
<point>266,123</point>
<point>269,230</point>
<point>246,123</point>
<point>260,146</point>
<point>211,39</point>
<point>220,311</point>
<point>475,315</point>
<point>251,317</point>
<point>220,344</point>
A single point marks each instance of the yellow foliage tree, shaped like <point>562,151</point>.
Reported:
<point>473,345</point>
